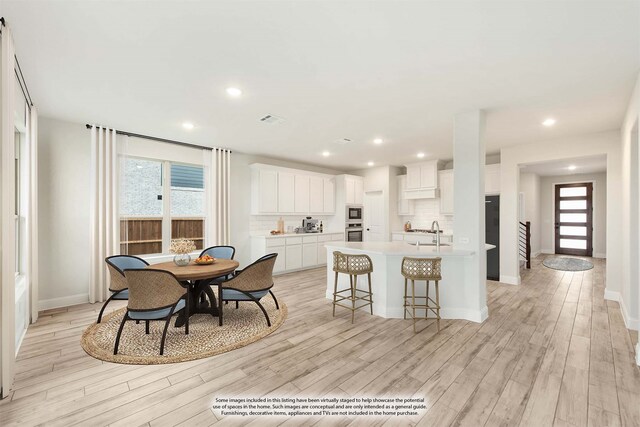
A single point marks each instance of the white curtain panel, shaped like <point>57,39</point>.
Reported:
<point>33,211</point>
<point>217,182</point>
<point>105,226</point>
<point>7,219</point>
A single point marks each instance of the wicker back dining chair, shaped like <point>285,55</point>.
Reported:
<point>154,295</point>
<point>116,265</point>
<point>251,284</point>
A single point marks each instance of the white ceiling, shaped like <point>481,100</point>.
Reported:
<point>360,70</point>
<point>593,164</point>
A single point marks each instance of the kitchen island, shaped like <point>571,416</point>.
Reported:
<point>387,282</point>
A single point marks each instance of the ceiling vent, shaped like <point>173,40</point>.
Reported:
<point>271,119</point>
<point>343,141</point>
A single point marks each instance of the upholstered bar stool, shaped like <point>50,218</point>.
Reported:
<point>427,269</point>
<point>354,266</point>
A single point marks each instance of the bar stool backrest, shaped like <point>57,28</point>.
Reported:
<point>351,264</point>
<point>422,268</point>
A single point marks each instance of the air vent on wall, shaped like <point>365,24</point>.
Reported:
<point>271,119</point>
<point>343,141</point>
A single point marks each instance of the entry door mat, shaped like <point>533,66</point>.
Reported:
<point>567,263</point>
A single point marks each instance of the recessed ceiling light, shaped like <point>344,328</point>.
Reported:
<point>378,141</point>
<point>572,167</point>
<point>234,92</point>
<point>549,122</point>
<point>187,125</point>
<point>370,164</point>
<point>420,155</point>
<point>326,153</point>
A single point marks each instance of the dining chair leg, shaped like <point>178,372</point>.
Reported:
<point>105,306</point>
<point>237,304</point>
<point>220,305</point>
<point>275,300</point>
<point>115,347</point>
<point>146,327</point>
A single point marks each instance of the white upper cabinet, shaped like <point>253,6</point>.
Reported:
<point>422,180</point>
<point>446,192</point>
<point>350,190</point>
<point>359,194</point>
<point>354,190</point>
<point>286,188</point>
<point>301,197</point>
<point>266,189</point>
<point>405,206</point>
<point>277,190</point>
<point>329,202</point>
<point>413,177</point>
<point>316,194</point>
<point>492,179</point>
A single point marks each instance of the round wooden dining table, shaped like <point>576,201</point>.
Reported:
<point>198,279</point>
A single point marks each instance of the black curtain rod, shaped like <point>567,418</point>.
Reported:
<point>20,76</point>
<point>170,141</point>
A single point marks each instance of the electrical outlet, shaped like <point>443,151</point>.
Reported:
<point>464,240</point>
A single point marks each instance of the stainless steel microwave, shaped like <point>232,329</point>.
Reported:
<point>354,213</point>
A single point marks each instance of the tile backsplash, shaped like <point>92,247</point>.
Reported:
<point>425,212</point>
<point>263,224</point>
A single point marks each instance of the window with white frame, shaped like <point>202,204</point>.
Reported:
<point>160,200</point>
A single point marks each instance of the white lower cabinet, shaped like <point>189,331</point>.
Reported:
<point>294,252</point>
<point>280,260</point>
<point>293,258</point>
<point>309,254</point>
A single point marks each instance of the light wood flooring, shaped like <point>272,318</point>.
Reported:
<point>553,352</point>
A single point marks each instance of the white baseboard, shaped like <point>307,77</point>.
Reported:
<point>510,280</point>
<point>638,354</point>
<point>547,251</point>
<point>599,255</point>
<point>535,254</point>
<point>611,295</point>
<point>629,322</point>
<point>47,304</point>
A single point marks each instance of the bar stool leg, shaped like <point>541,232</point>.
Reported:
<point>352,282</point>
<point>335,291</point>
<point>438,304</point>
<point>370,293</point>
<point>413,303</point>
<point>404,303</point>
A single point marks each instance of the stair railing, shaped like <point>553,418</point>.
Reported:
<point>524,242</point>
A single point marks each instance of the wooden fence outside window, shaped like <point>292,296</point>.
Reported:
<point>141,236</point>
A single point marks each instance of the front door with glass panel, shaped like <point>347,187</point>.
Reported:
<point>574,219</point>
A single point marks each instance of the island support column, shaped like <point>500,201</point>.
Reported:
<point>469,209</point>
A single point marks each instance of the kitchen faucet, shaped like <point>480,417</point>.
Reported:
<point>437,231</point>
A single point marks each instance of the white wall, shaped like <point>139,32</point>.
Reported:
<point>530,187</point>
<point>629,291</point>
<point>607,143</point>
<point>64,152</point>
<point>547,202</point>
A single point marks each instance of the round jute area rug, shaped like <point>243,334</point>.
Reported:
<point>241,327</point>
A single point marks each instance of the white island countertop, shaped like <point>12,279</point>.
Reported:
<point>404,249</point>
